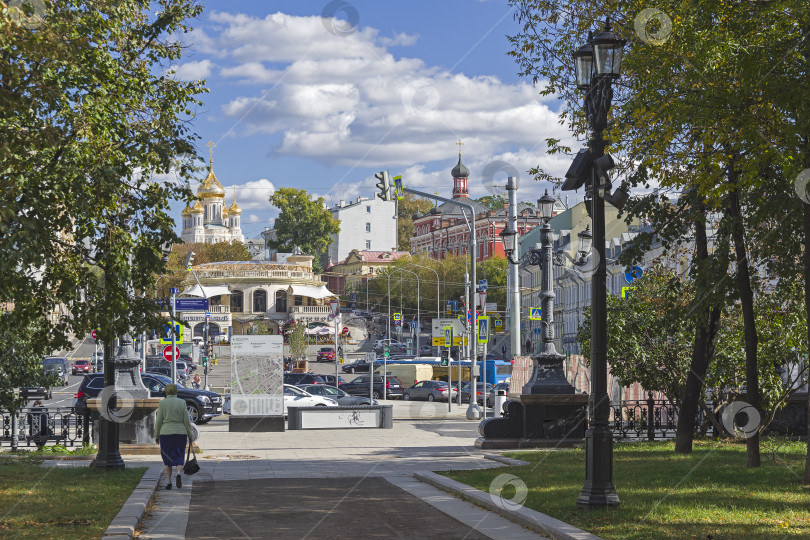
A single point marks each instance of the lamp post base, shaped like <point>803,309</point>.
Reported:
<point>473,411</point>
<point>598,491</point>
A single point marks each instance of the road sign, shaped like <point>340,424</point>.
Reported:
<point>448,336</point>
<point>626,291</point>
<point>537,331</point>
<point>207,314</point>
<point>398,191</point>
<point>413,325</point>
<point>455,305</point>
<point>397,316</point>
<point>632,273</point>
<point>166,337</point>
<point>353,297</point>
<point>167,353</point>
<point>345,329</point>
<point>482,284</point>
<point>535,314</point>
<point>498,323</point>
<point>483,329</point>
<point>191,304</point>
<point>94,334</point>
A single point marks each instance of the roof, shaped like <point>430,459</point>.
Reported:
<point>379,256</point>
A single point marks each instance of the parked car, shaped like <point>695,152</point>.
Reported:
<point>429,390</point>
<point>302,378</point>
<point>82,366</point>
<point>379,345</point>
<point>325,354</point>
<point>360,386</point>
<point>330,380</point>
<point>184,368</point>
<point>98,360</point>
<point>166,371</point>
<point>343,398</point>
<point>426,350</point>
<point>358,366</point>
<point>202,405</point>
<point>466,390</point>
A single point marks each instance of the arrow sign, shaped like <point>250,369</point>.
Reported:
<point>483,329</point>
<point>535,314</point>
<point>632,273</point>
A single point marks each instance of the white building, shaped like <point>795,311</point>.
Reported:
<point>367,224</point>
<point>210,220</point>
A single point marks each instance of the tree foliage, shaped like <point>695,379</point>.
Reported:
<point>406,209</point>
<point>90,128</point>
<point>302,222</point>
<point>298,340</point>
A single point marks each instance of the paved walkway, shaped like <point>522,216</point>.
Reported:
<point>328,484</point>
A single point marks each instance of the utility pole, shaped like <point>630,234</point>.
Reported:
<point>513,274</point>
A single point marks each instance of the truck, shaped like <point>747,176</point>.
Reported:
<point>409,374</point>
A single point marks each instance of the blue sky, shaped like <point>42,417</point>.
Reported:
<point>298,98</point>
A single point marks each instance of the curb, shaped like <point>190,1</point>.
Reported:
<point>506,460</point>
<point>124,524</point>
<point>531,519</point>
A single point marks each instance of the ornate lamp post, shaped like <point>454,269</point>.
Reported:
<point>597,64</point>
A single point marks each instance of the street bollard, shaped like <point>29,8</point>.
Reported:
<point>500,399</point>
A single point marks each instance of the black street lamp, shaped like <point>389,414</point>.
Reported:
<point>597,64</point>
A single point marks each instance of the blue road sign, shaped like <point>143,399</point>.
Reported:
<point>632,273</point>
<point>353,297</point>
<point>190,304</point>
<point>455,305</point>
<point>482,284</point>
<point>413,324</point>
<point>535,314</point>
<point>483,329</point>
<point>537,331</point>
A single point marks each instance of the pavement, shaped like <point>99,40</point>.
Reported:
<point>331,483</point>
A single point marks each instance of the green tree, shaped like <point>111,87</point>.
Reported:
<point>90,128</point>
<point>409,206</point>
<point>298,340</point>
<point>303,222</point>
<point>493,202</point>
<point>21,359</point>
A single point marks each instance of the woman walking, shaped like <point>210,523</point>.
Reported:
<point>172,432</point>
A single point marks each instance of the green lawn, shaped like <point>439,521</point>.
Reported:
<point>64,503</point>
<point>708,494</point>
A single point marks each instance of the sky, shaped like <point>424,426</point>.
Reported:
<point>321,95</point>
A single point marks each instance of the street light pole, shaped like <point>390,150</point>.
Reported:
<point>513,274</point>
<point>597,63</point>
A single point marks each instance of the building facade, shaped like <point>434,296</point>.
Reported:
<point>353,273</point>
<point>210,220</point>
<point>367,224</point>
<point>444,230</point>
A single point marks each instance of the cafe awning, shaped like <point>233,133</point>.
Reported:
<point>209,291</point>
<point>310,291</point>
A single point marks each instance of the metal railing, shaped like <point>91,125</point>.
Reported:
<point>38,426</point>
<point>649,419</point>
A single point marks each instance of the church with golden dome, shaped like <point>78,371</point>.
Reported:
<point>210,220</point>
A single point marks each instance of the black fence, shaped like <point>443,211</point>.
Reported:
<point>38,426</point>
<point>648,419</point>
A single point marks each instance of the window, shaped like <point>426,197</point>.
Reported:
<point>281,301</point>
<point>368,244</point>
<point>259,301</point>
<point>236,301</point>
<point>368,227</point>
<point>368,209</point>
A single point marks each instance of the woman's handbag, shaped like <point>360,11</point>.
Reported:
<point>191,466</point>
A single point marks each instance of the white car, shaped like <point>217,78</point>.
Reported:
<point>379,345</point>
<point>293,397</point>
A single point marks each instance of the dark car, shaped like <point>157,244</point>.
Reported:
<point>344,399</point>
<point>202,405</point>
<point>466,390</point>
<point>429,390</point>
<point>325,354</point>
<point>166,371</point>
<point>330,380</point>
<point>360,386</point>
<point>358,366</point>
<point>302,378</point>
<point>57,365</point>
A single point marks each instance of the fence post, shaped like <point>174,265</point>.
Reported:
<point>13,430</point>
<point>86,428</point>
<point>650,416</point>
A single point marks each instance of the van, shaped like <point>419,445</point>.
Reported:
<point>409,374</point>
<point>58,365</point>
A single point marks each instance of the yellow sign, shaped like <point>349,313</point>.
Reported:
<point>166,336</point>
<point>439,341</point>
<point>626,291</point>
<point>534,314</point>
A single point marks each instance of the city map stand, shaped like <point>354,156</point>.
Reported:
<point>255,351</point>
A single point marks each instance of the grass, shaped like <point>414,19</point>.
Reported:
<point>63,503</point>
<point>57,450</point>
<point>707,494</point>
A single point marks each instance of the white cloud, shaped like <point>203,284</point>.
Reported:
<point>192,71</point>
<point>253,195</point>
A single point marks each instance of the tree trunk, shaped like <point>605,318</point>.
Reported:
<point>807,308</point>
<point>702,352</point>
<point>743,278</point>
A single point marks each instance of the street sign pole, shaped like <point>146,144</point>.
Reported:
<point>174,345</point>
<point>484,358</point>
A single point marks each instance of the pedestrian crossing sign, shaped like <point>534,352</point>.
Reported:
<point>483,329</point>
<point>166,335</point>
<point>535,314</point>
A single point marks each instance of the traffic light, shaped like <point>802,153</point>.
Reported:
<point>205,361</point>
<point>445,357</point>
<point>384,185</point>
<point>189,259</point>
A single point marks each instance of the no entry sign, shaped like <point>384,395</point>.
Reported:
<point>167,353</point>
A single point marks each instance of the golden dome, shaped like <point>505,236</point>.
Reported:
<point>210,187</point>
<point>234,209</point>
<point>186,211</point>
<point>224,211</point>
<point>197,208</point>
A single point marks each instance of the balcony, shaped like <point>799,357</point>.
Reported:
<point>310,310</point>
<point>291,273</point>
